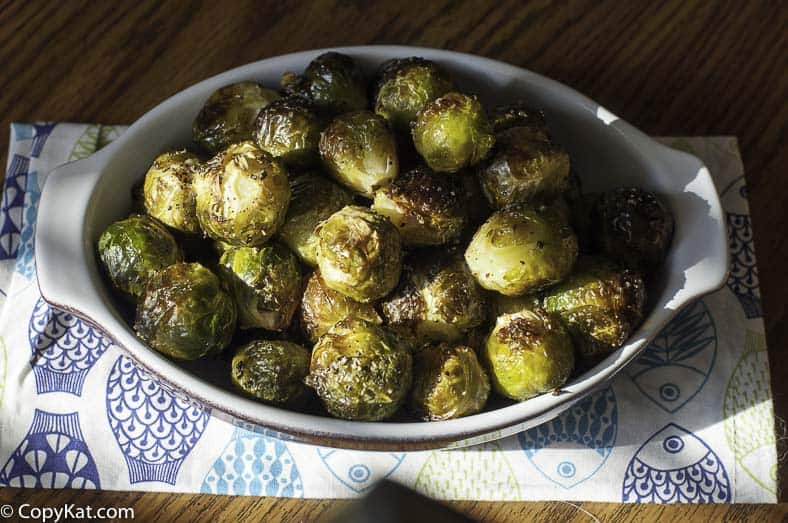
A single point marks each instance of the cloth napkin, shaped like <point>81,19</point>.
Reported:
<point>690,421</point>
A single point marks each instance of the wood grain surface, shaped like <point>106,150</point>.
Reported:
<point>671,68</point>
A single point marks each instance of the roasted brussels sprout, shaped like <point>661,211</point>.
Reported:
<point>426,208</point>
<point>272,371</point>
<point>332,82</point>
<point>528,353</point>
<point>242,195</point>
<point>633,227</point>
<point>360,151</point>
<point>517,115</point>
<point>405,86</point>
<point>131,250</point>
<point>167,193</point>
<point>521,249</point>
<point>288,129</point>
<point>229,114</point>
<point>265,282</point>
<point>184,313</point>
<point>360,371</point>
<point>322,307</point>
<point>452,132</point>
<point>359,253</point>
<point>524,167</point>
<point>448,382</point>
<point>438,298</point>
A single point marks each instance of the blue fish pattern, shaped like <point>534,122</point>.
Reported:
<point>25,259</point>
<point>587,432</point>
<point>12,206</point>
<point>358,470</point>
<point>53,454</point>
<point>41,131</point>
<point>676,466</point>
<point>743,277</point>
<point>154,427</point>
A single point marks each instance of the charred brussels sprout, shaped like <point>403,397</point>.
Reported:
<point>521,250</point>
<point>360,371</point>
<point>184,313</point>
<point>426,208</point>
<point>633,227</point>
<point>242,195</point>
<point>314,199</point>
<point>167,193</point>
<point>265,282</point>
<point>332,82</point>
<point>131,250</point>
<point>448,382</point>
<point>601,305</point>
<point>229,114</point>
<point>359,253</point>
<point>406,86</point>
<point>452,132</point>
<point>438,298</point>
<point>528,353</point>
<point>360,151</point>
<point>322,307</point>
<point>517,115</point>
<point>288,129</point>
<point>272,371</point>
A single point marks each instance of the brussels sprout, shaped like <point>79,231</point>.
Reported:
<point>528,353</point>
<point>314,199</point>
<point>501,304</point>
<point>521,249</point>
<point>168,193</point>
<point>288,129</point>
<point>517,115</point>
<point>360,371</point>
<point>600,303</point>
<point>272,371</point>
<point>229,114</point>
<point>633,227</point>
<point>242,195</point>
<point>524,167</point>
<point>452,132</point>
<point>405,86</point>
<point>131,250</point>
<point>426,208</point>
<point>332,82</point>
<point>265,282</point>
<point>438,298</point>
<point>448,382</point>
<point>360,151</point>
<point>322,307</point>
<point>359,253</point>
<point>184,313</point>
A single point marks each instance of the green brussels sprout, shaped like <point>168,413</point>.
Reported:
<point>322,307</point>
<point>229,114</point>
<point>517,115</point>
<point>184,313</point>
<point>332,82</point>
<point>272,371</point>
<point>426,208</point>
<point>131,250</point>
<point>633,227</point>
<point>360,371</point>
<point>600,303</point>
<point>288,129</point>
<point>167,193</point>
<point>524,167</point>
<point>452,132</point>
<point>360,151</point>
<point>521,250</point>
<point>242,195</point>
<point>314,198</point>
<point>528,353</point>
<point>359,253</point>
<point>448,382</point>
<point>265,282</point>
<point>438,298</point>
<point>406,86</point>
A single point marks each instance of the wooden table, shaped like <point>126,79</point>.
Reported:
<point>677,68</point>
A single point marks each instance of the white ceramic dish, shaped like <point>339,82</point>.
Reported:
<point>80,199</point>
